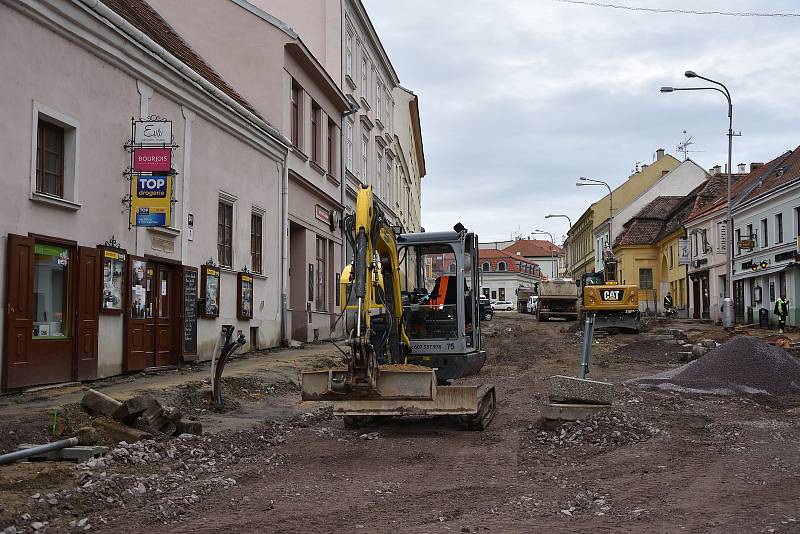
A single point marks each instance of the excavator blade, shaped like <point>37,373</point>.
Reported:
<point>394,383</point>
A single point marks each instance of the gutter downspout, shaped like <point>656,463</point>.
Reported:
<point>285,336</point>
<point>140,37</point>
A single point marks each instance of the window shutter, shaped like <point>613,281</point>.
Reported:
<point>722,237</point>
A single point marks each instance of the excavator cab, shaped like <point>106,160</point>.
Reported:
<point>440,282</point>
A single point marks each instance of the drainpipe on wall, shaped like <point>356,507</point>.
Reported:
<point>285,335</point>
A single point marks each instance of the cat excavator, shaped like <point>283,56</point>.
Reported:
<point>416,325</point>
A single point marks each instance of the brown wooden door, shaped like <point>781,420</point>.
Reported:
<point>167,324</point>
<point>139,316</point>
<point>88,312</point>
<point>18,369</point>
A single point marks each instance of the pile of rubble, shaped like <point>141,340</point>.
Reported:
<point>744,364</point>
<point>135,419</point>
<point>605,430</point>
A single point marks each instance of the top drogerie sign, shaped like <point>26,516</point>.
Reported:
<point>152,133</point>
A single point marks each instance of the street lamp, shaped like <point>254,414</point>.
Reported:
<point>592,181</point>
<point>569,221</point>
<point>727,318</point>
<point>553,265</point>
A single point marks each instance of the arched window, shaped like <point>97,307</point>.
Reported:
<point>452,267</point>
<point>501,266</point>
<point>485,267</point>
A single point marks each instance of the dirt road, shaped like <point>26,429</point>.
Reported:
<point>663,462</point>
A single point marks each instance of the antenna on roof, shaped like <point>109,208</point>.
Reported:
<point>685,144</point>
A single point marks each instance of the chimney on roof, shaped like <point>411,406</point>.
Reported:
<point>644,166</point>
<point>742,168</point>
<point>716,169</point>
<point>755,165</point>
<point>659,154</point>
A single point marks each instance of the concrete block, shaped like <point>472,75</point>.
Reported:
<point>568,389</point>
<point>189,427</point>
<point>118,432</point>
<point>97,403</point>
<point>686,356</point>
<point>661,337</point>
<point>699,350</point>
<point>572,412</point>
<point>131,409</point>
<point>708,343</point>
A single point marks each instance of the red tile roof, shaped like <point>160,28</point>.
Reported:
<point>494,256</point>
<point>534,248</point>
<point>785,171</point>
<point>658,219</point>
<point>147,20</point>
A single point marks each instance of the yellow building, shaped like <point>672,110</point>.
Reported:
<point>589,236</point>
<point>579,248</point>
<point>647,252</point>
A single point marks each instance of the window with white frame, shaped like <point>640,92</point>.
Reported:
<point>364,77</point>
<point>378,100</point>
<point>778,228</point>
<point>388,111</point>
<point>257,240</point>
<point>389,182</point>
<point>54,157</point>
<point>764,234</point>
<point>349,143</point>
<point>379,175</point>
<point>225,232</point>
<point>348,61</point>
<point>364,158</point>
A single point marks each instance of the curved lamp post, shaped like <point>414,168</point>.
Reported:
<point>729,215</point>
<point>554,265</point>
<point>569,221</point>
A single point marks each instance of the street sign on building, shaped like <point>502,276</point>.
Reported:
<point>683,251</point>
<point>151,200</point>
<point>747,244</point>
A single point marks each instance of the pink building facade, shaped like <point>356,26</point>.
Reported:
<point>84,295</point>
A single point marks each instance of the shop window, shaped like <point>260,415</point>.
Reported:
<point>321,288</point>
<point>256,242</point>
<point>645,278</point>
<point>54,158</point>
<point>225,234</point>
<point>51,291</point>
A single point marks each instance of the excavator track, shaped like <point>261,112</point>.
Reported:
<point>487,407</point>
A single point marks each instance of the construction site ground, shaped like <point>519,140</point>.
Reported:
<point>660,462</point>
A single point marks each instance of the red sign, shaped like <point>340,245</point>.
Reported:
<point>152,159</point>
<point>322,214</point>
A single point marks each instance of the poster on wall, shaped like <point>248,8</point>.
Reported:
<point>245,298</point>
<point>683,251</point>
<point>151,200</point>
<point>113,277</point>
<point>140,290</point>
<point>190,279</point>
<point>210,291</point>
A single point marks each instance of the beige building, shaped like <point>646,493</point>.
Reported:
<point>409,160</point>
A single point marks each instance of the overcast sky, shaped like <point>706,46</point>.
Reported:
<point>520,97</point>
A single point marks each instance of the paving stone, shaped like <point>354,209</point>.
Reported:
<point>568,389</point>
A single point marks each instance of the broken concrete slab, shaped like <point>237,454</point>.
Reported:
<point>708,343</point>
<point>78,453</point>
<point>119,432</point>
<point>138,404</point>
<point>99,403</point>
<point>572,412</point>
<point>568,389</point>
<point>699,350</point>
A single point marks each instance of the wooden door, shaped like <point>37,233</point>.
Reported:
<point>697,298</point>
<point>167,324</point>
<point>139,316</point>
<point>706,298</point>
<point>88,312</point>
<point>18,369</point>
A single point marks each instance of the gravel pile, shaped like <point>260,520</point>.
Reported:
<point>742,365</point>
<point>607,430</point>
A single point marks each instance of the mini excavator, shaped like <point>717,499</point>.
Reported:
<point>416,325</point>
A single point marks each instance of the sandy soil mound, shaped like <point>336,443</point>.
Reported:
<point>744,364</point>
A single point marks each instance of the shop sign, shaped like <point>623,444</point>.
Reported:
<point>683,251</point>
<point>784,256</point>
<point>152,132</point>
<point>152,159</point>
<point>322,214</point>
<point>747,244</point>
<point>151,201</point>
<point>60,253</point>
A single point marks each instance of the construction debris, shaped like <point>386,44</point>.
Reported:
<point>572,399</point>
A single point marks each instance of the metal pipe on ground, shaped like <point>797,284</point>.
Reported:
<point>47,447</point>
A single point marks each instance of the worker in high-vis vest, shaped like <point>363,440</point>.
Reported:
<point>781,310</point>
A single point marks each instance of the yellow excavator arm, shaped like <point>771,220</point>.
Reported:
<point>374,280</point>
